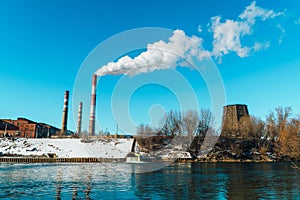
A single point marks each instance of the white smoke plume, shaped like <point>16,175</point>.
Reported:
<point>173,53</point>
<point>159,55</point>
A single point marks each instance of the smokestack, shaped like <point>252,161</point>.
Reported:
<point>93,106</point>
<point>65,113</point>
<point>79,118</point>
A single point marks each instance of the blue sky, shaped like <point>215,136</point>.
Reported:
<point>44,43</point>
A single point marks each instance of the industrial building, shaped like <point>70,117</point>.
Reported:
<point>22,127</point>
<point>232,115</point>
<point>7,129</point>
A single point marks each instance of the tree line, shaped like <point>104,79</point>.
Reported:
<point>278,134</point>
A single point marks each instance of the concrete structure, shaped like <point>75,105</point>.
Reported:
<point>31,129</point>
<point>93,106</point>
<point>231,118</point>
<point>8,129</point>
<point>79,121</point>
<point>65,113</point>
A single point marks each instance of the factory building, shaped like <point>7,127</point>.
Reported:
<point>30,129</point>
<point>8,129</point>
<point>27,127</point>
<point>232,114</point>
<point>47,130</point>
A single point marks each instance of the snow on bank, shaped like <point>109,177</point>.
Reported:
<point>67,148</point>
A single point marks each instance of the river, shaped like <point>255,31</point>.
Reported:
<point>123,181</point>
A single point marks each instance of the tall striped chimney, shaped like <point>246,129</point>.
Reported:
<point>79,118</point>
<point>93,106</point>
<point>65,113</point>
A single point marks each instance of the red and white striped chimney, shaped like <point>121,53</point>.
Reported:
<point>79,122</point>
<point>93,106</point>
<point>65,113</point>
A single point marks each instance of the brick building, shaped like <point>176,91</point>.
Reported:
<point>8,129</point>
<point>31,129</point>
<point>48,130</point>
<point>232,115</point>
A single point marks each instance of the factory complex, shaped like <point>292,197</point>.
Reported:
<point>26,128</point>
<point>36,138</point>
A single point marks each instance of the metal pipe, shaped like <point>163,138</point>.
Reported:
<point>65,113</point>
<point>79,122</point>
<point>93,106</point>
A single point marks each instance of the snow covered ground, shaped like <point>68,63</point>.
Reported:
<point>67,148</point>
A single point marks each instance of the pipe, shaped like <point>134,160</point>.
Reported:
<point>93,106</point>
<point>65,113</point>
<point>79,122</point>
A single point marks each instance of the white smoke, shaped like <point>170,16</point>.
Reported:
<point>159,55</point>
<point>180,48</point>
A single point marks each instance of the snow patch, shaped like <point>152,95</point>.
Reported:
<point>66,148</point>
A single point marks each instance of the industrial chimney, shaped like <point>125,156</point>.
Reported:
<point>65,113</point>
<point>79,118</point>
<point>93,106</point>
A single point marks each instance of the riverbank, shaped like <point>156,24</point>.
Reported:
<point>103,160</point>
<point>23,150</point>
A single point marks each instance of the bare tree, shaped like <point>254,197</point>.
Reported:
<point>190,122</point>
<point>145,130</point>
<point>282,115</point>
<point>171,124</point>
<point>271,127</point>
<point>276,122</point>
<point>251,128</point>
<point>289,141</point>
<point>205,122</point>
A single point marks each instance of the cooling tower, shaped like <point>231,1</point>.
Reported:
<point>231,118</point>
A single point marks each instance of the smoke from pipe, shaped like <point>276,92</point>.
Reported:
<point>227,37</point>
<point>159,55</point>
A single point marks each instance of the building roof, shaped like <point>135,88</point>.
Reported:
<point>235,105</point>
<point>25,119</point>
<point>8,126</point>
<point>47,125</point>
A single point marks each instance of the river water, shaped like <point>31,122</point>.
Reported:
<point>177,181</point>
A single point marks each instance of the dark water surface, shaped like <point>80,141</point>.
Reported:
<point>178,181</point>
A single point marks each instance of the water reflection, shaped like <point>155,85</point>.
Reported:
<point>182,181</point>
<point>220,181</point>
<point>178,181</point>
<point>88,186</point>
<point>59,184</point>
